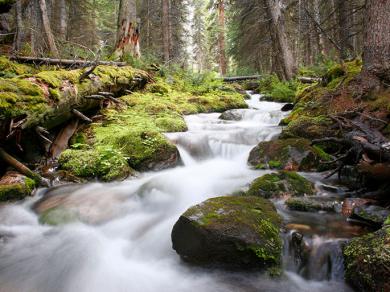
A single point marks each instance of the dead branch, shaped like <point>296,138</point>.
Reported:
<point>64,62</point>
<point>81,116</point>
<point>19,166</point>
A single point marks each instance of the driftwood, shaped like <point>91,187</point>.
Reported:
<point>64,62</point>
<point>62,140</point>
<point>19,166</point>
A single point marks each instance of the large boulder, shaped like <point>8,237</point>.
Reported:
<point>15,186</point>
<point>231,115</point>
<point>367,261</point>
<point>282,183</point>
<point>373,215</point>
<point>288,154</point>
<point>230,232</point>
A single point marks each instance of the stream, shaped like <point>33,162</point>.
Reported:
<point>123,242</point>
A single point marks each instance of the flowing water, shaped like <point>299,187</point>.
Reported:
<point>123,242</point>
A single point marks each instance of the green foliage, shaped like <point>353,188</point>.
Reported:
<point>276,90</point>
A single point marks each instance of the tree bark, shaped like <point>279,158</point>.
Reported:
<point>47,29</point>
<point>19,27</point>
<point>221,38</point>
<point>63,19</point>
<point>165,30</point>
<point>128,31</point>
<point>343,25</point>
<point>376,54</point>
<point>275,15</point>
<point>320,35</point>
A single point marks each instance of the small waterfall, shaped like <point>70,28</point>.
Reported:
<point>314,258</point>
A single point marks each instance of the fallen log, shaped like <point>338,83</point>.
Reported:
<point>49,98</point>
<point>20,166</point>
<point>64,62</point>
<point>241,78</point>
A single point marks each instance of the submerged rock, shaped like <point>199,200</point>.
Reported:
<point>310,204</point>
<point>373,215</point>
<point>367,261</point>
<point>280,184</point>
<point>287,107</point>
<point>288,154</point>
<point>231,115</point>
<point>15,186</point>
<point>230,232</point>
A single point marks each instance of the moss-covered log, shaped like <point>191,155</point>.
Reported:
<point>48,97</point>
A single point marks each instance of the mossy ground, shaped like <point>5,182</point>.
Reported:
<point>279,184</point>
<point>367,261</point>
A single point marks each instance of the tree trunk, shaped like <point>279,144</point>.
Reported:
<point>320,35</point>
<point>19,27</point>
<point>47,28</point>
<point>128,32</point>
<point>61,15</point>
<point>165,29</point>
<point>275,15</point>
<point>221,38</point>
<point>376,55</point>
<point>343,25</point>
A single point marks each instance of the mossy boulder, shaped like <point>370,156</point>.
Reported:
<point>367,261</point>
<point>103,163</point>
<point>14,186</point>
<point>310,204</point>
<point>230,232</point>
<point>373,215</point>
<point>280,184</point>
<point>309,128</point>
<point>288,154</point>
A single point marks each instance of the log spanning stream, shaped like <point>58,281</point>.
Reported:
<point>123,242</point>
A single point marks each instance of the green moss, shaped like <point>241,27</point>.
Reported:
<point>367,260</point>
<point>16,191</point>
<point>104,163</point>
<point>275,164</point>
<point>308,127</point>
<point>245,212</point>
<point>55,79</point>
<point>19,96</point>
<point>387,222</point>
<point>280,184</point>
<point>292,153</point>
<point>9,69</point>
